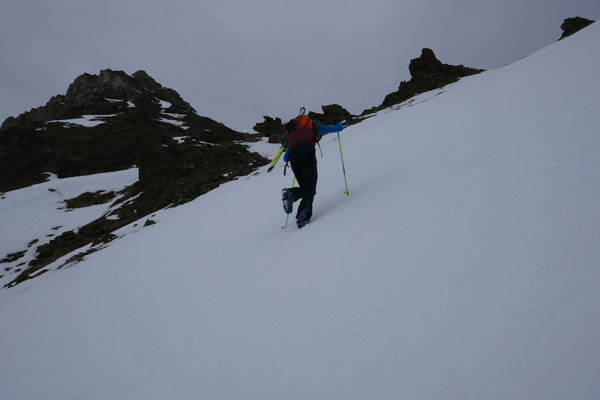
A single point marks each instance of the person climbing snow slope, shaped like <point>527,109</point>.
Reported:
<point>302,134</point>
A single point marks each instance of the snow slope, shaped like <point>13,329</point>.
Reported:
<point>37,214</point>
<point>463,265</point>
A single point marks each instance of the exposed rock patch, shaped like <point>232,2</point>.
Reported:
<point>271,128</point>
<point>331,114</point>
<point>12,257</point>
<point>573,25</point>
<point>427,73</point>
<point>90,199</point>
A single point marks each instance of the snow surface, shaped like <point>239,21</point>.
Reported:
<point>164,104</point>
<point>263,147</point>
<point>180,139</point>
<point>86,120</point>
<point>173,121</point>
<point>39,213</point>
<point>171,118</point>
<point>464,264</point>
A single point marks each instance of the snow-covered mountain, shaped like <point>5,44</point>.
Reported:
<point>464,264</point>
<point>108,122</point>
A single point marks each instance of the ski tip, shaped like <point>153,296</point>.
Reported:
<point>347,193</point>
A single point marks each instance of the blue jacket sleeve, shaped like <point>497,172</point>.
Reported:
<point>325,129</point>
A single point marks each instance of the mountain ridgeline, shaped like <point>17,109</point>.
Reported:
<point>427,73</point>
<point>115,121</point>
<point>133,122</point>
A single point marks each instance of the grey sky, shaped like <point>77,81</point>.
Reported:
<point>237,60</point>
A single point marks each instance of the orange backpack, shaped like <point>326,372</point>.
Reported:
<point>300,131</point>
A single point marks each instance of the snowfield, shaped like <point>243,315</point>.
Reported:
<point>38,214</point>
<point>464,264</point>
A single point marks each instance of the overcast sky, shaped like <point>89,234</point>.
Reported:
<point>237,60</point>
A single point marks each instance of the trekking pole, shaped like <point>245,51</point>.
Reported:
<point>287,217</point>
<point>343,168</point>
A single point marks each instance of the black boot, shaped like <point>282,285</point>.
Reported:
<point>303,217</point>
<point>287,200</point>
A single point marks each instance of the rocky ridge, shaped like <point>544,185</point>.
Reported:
<point>110,122</point>
<point>573,25</point>
<point>108,92</point>
<point>427,73</point>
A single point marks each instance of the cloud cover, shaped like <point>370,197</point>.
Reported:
<point>235,60</point>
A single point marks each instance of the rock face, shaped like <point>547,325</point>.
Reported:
<point>114,121</point>
<point>573,25</point>
<point>271,128</point>
<point>133,114</point>
<point>106,93</point>
<point>427,73</point>
<point>331,113</point>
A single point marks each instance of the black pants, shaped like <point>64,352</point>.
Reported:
<point>304,166</point>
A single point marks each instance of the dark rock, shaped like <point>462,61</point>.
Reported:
<point>104,239</point>
<point>79,256</point>
<point>90,199</point>
<point>331,114</point>
<point>271,128</point>
<point>275,138</point>
<point>191,171</point>
<point>31,146</point>
<point>427,73</point>
<point>12,257</point>
<point>106,93</point>
<point>573,25</point>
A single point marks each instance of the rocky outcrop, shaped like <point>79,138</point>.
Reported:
<point>133,113</point>
<point>331,114</point>
<point>427,73</point>
<point>573,25</point>
<point>108,92</point>
<point>271,128</point>
<point>180,155</point>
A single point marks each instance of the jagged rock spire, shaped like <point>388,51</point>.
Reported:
<point>573,25</point>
